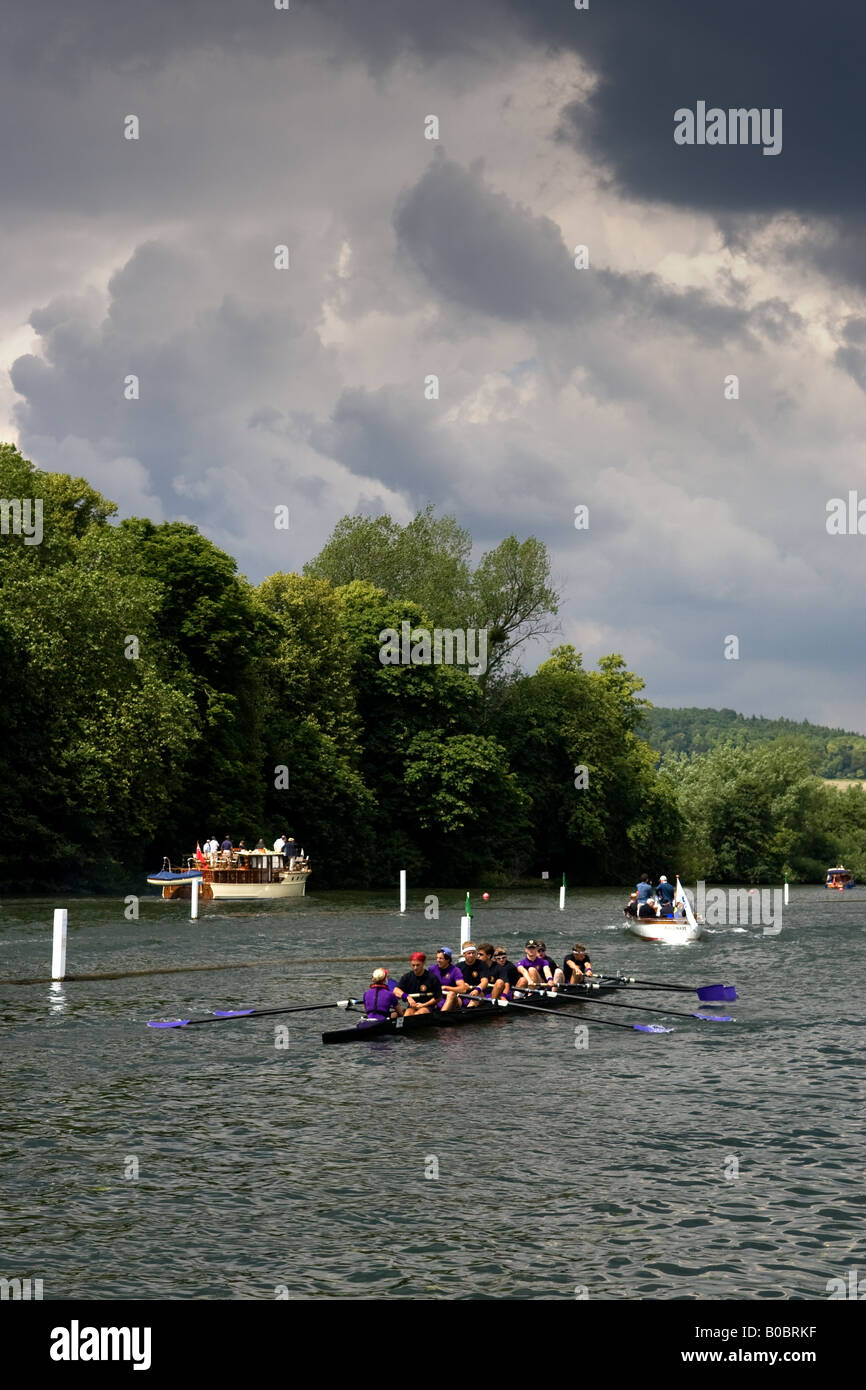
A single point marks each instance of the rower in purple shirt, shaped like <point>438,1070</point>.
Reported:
<point>450,978</point>
<point>380,1000</point>
<point>534,968</point>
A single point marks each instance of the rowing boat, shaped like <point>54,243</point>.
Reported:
<point>483,1013</point>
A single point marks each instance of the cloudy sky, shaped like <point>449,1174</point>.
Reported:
<point>602,386</point>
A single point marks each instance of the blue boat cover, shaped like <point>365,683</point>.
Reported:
<point>169,876</point>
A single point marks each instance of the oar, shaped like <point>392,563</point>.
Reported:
<point>674,1013</point>
<point>608,1022</point>
<point>725,994</point>
<point>218,1016</point>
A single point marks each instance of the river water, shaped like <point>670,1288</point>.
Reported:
<point>242,1161</point>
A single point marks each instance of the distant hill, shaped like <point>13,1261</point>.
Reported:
<point>835,753</point>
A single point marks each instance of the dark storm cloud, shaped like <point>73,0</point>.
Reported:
<point>651,59</point>
<point>478,248</point>
<point>68,39</point>
<point>648,59</point>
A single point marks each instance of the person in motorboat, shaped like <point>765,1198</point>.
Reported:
<point>648,908</point>
<point>665,894</point>
<point>644,888</point>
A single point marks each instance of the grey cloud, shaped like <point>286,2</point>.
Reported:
<point>480,249</point>
<point>382,435</point>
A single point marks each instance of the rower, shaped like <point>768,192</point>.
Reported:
<point>558,977</point>
<point>420,985</point>
<point>534,969</point>
<point>507,971</point>
<point>577,965</point>
<point>450,978</point>
<point>495,979</point>
<point>470,969</point>
<point>380,1000</point>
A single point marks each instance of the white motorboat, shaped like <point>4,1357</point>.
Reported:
<point>677,930</point>
<point>237,876</point>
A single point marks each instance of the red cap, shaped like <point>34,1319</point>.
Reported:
<point>417,955</point>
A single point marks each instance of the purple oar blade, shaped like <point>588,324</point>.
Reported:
<point>232,1013</point>
<point>715,1018</point>
<point>168,1023</point>
<point>725,994</point>
<point>651,1028</point>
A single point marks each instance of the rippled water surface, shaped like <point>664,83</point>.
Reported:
<point>304,1166</point>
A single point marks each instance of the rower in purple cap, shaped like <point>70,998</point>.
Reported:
<point>450,978</point>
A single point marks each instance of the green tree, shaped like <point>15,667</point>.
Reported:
<point>425,561</point>
<point>313,729</point>
<point>748,812</point>
<point>598,808</point>
<point>513,598</point>
<point>212,626</point>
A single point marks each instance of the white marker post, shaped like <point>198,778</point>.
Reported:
<point>466,923</point>
<point>58,954</point>
<point>562,895</point>
<point>786,892</point>
<point>193,911</point>
<point>402,890</point>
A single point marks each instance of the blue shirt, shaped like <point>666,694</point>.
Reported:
<point>644,891</point>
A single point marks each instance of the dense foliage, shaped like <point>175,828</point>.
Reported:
<point>831,752</point>
<point>150,697</point>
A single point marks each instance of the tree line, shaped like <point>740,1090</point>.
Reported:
<point>832,753</point>
<point>151,696</point>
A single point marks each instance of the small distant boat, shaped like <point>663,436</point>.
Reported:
<point>840,878</point>
<point>677,930</point>
<point>236,875</point>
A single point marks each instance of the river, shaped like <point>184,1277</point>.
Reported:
<point>245,1160</point>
